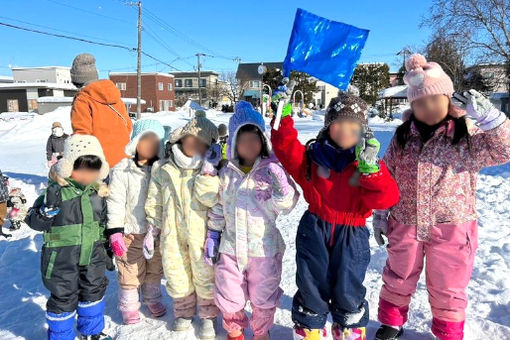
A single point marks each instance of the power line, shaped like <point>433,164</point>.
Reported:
<point>130,49</point>
<point>68,37</point>
<point>55,29</point>
<point>90,12</point>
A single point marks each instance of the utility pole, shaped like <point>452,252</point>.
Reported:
<point>139,61</point>
<point>199,66</point>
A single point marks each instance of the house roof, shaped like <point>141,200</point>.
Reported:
<point>6,79</point>
<point>39,67</point>
<point>143,74</point>
<point>399,91</point>
<point>192,74</point>
<point>248,71</point>
<point>9,86</point>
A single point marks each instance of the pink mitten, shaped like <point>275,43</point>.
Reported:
<point>148,241</point>
<point>118,245</point>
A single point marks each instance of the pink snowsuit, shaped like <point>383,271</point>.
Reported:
<point>251,249</point>
<point>436,218</point>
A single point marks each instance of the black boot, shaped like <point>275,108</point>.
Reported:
<point>388,333</point>
<point>100,336</point>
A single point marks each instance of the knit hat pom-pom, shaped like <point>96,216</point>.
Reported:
<point>416,61</point>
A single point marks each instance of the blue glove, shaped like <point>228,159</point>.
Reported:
<point>211,246</point>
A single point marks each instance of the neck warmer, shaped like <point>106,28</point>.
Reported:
<point>185,162</point>
<point>324,154</point>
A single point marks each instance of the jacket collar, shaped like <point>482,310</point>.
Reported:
<point>447,129</point>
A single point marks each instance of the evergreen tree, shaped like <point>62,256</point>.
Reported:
<point>370,79</point>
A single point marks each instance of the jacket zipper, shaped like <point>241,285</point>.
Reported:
<point>118,114</point>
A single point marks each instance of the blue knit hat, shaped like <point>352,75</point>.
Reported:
<point>244,114</point>
<point>141,128</point>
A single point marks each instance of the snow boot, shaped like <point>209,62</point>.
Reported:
<point>182,324</point>
<point>386,332</point>
<point>340,333</point>
<point>152,298</point>
<point>131,317</point>
<point>61,326</point>
<point>261,337</point>
<point>100,336</point>
<point>301,333</point>
<point>207,329</point>
<point>129,305</point>
<point>238,337</point>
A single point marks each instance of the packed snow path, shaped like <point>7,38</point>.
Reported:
<point>23,296</point>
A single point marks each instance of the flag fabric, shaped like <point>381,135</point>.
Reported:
<point>325,49</point>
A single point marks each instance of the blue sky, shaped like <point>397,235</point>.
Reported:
<point>252,30</point>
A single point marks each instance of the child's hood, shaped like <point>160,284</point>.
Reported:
<point>102,91</point>
<point>101,187</point>
<point>245,114</point>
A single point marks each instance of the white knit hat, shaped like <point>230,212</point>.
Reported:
<point>77,146</point>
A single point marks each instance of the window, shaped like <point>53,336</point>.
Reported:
<point>188,82</point>
<point>121,86</point>
<point>161,105</point>
<point>178,82</point>
<point>170,87</point>
<point>160,86</point>
<point>255,83</point>
<point>170,103</point>
<point>203,82</point>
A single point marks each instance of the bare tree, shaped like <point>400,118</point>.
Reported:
<point>234,86</point>
<point>450,55</point>
<point>483,26</point>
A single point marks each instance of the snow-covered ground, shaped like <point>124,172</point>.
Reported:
<point>23,298</point>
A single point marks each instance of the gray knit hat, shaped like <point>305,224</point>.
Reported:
<point>345,106</point>
<point>84,69</point>
<point>199,127</point>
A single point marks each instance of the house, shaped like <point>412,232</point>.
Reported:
<point>42,74</point>
<point>23,96</point>
<point>6,79</point>
<point>186,87</point>
<point>323,96</point>
<point>494,74</point>
<point>158,89</point>
<point>250,80</point>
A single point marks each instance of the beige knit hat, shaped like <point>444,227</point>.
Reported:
<point>56,125</point>
<point>77,146</point>
<point>199,127</point>
<point>84,69</point>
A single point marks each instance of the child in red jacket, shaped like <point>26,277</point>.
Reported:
<point>342,180</point>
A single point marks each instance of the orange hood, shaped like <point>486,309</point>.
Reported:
<point>102,91</point>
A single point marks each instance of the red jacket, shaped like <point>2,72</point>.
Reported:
<point>333,199</point>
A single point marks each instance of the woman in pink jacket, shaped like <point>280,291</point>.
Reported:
<point>435,157</point>
<point>254,190</point>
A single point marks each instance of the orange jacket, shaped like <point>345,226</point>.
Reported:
<point>98,110</point>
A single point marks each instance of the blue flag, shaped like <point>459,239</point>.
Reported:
<point>325,49</point>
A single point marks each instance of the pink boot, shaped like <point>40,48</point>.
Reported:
<point>152,298</point>
<point>129,305</point>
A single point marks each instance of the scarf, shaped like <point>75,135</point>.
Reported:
<point>185,162</point>
<point>326,155</point>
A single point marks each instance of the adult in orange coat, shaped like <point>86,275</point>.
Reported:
<point>98,109</point>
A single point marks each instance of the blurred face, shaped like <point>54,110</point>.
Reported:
<point>249,147</point>
<point>192,146</point>
<point>345,133</point>
<point>148,147</point>
<point>431,110</point>
<point>85,176</point>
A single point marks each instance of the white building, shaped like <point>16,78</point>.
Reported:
<point>42,74</point>
<point>323,96</point>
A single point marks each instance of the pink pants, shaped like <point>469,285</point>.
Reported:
<point>450,255</point>
<point>259,283</point>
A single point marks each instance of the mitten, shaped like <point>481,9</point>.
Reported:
<point>380,225</point>
<point>479,108</point>
<point>366,153</point>
<point>280,184</point>
<point>52,201</point>
<point>211,246</point>
<point>212,160</point>
<point>149,240</point>
<point>118,245</point>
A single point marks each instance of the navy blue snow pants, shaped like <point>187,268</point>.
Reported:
<point>331,266</point>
